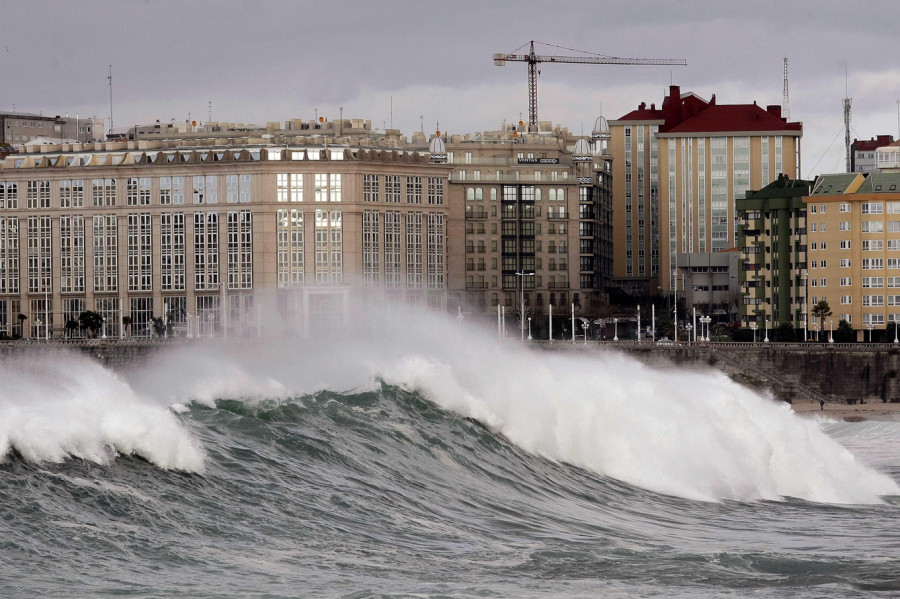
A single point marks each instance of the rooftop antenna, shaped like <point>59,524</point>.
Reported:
<point>209,114</point>
<point>785,108</point>
<point>422,123</point>
<point>847,102</point>
<point>110,101</point>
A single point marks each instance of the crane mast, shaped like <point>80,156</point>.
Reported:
<point>533,59</point>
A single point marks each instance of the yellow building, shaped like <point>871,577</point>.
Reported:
<point>677,171</point>
<point>853,228</point>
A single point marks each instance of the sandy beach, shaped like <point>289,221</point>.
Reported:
<point>854,413</point>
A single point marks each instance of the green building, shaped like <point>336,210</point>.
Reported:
<point>772,240</point>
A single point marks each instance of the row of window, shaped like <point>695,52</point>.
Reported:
<point>138,191</point>
<point>138,252</point>
<point>387,188</point>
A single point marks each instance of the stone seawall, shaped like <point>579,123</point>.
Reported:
<point>846,372</point>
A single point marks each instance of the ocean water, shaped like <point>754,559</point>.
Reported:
<point>428,459</point>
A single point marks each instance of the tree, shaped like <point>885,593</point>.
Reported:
<point>91,322</point>
<point>844,333</point>
<point>822,311</point>
<point>71,325</point>
<point>159,325</point>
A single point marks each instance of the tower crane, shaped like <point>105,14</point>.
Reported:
<point>533,59</point>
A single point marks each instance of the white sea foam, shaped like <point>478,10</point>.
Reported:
<point>55,405</point>
<point>691,434</point>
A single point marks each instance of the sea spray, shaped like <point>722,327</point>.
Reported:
<point>55,405</point>
<point>691,434</point>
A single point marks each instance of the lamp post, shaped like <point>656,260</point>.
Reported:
<point>615,329</point>
<point>522,276</point>
<point>753,326</point>
<point>190,326</point>
<point>869,326</point>
<point>896,340</point>
<point>805,306</point>
<point>689,327</point>
<point>639,323</point>
<point>766,325</point>
<point>585,326</point>
<point>830,330</point>
<point>705,320</point>
<point>103,327</point>
<point>529,328</point>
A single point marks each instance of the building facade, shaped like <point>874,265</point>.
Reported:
<point>773,252</point>
<point>18,128</point>
<point>677,171</point>
<point>854,250</point>
<point>530,217</point>
<point>863,157</point>
<point>206,233</point>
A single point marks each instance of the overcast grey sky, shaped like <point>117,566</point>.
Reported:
<point>274,60</point>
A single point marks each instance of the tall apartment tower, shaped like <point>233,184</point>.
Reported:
<point>530,215</point>
<point>677,171</point>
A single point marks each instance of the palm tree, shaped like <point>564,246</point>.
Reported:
<point>822,311</point>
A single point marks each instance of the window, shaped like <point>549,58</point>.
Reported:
<point>845,226</point>
<point>436,191</point>
<point>289,187</point>
<point>872,263</point>
<point>869,282</point>
<point>873,300</point>
<point>872,226</point>
<point>370,188</point>
<point>873,245</point>
<point>872,208</point>
<point>71,193</point>
<point>414,190</point>
<point>845,244</point>
<point>846,207</point>
<point>845,281</point>
<point>205,190</point>
<point>392,189</point>
<point>845,262</point>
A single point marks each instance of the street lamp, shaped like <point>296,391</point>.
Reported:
<point>615,329</point>
<point>639,324</point>
<point>522,304</point>
<point>831,330</point>
<point>689,327</point>
<point>753,326</point>
<point>896,340</point>
<point>46,315</point>
<point>766,324</point>
<point>585,326</point>
<point>869,326</point>
<point>529,328</point>
<point>805,277</point>
<point>705,320</point>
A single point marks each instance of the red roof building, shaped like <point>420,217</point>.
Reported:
<point>677,171</point>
